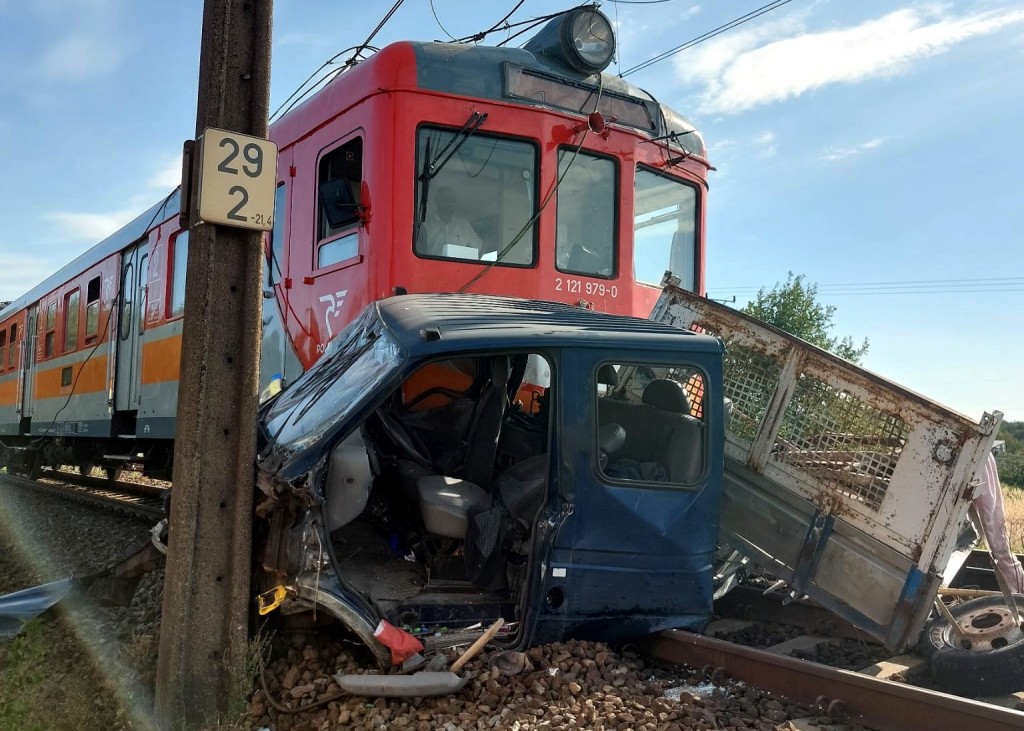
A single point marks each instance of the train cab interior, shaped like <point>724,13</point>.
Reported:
<point>429,505</point>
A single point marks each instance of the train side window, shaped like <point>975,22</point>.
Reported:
<point>664,229</point>
<point>339,186</point>
<point>586,214</point>
<point>275,271</point>
<point>3,344</point>
<point>72,302</point>
<point>92,308</point>
<point>51,330</point>
<point>12,355</point>
<point>179,263</point>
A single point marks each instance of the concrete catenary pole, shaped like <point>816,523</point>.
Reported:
<point>204,627</point>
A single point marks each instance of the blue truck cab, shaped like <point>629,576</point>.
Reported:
<point>457,458</point>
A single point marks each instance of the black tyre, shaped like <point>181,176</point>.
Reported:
<point>990,661</point>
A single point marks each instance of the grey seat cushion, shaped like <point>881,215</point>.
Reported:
<point>445,504</point>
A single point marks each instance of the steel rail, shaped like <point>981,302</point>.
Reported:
<point>879,704</point>
<point>110,496</point>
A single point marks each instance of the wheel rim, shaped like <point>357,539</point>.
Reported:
<point>986,629</point>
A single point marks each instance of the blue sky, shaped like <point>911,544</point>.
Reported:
<point>856,143</point>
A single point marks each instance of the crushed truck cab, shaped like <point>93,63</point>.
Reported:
<point>457,458</point>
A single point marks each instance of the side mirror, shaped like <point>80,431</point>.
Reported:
<point>339,203</point>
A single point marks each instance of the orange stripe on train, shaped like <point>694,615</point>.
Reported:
<point>161,360</point>
<point>9,392</point>
<point>87,376</point>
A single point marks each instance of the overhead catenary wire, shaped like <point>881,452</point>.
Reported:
<point>438,21</point>
<point>756,13</point>
<point>922,286</point>
<point>298,95</point>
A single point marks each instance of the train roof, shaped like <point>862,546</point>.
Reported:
<point>425,323</point>
<point>124,236</point>
<point>477,71</point>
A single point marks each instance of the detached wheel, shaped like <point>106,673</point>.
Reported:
<point>989,661</point>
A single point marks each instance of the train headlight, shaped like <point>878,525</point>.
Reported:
<point>582,39</point>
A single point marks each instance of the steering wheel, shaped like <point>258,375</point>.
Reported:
<point>404,439</point>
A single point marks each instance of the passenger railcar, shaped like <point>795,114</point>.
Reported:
<point>428,167</point>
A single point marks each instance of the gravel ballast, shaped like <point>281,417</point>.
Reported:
<point>565,685</point>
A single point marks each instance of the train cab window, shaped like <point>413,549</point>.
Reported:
<point>92,308</point>
<point>50,330</point>
<point>476,198</point>
<point>12,353</point>
<point>586,216</point>
<point>650,423</point>
<point>664,229</point>
<point>71,308</point>
<point>340,180</point>
<point>179,263</point>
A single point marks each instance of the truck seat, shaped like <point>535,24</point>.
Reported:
<point>445,504</point>
<point>659,430</point>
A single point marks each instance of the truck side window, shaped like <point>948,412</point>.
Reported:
<point>339,187</point>
<point>650,423</point>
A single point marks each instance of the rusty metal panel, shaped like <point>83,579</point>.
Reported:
<point>879,476</point>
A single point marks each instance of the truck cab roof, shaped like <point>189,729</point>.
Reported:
<point>429,323</point>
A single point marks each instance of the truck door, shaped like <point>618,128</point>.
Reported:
<point>28,365</point>
<point>131,310</point>
<point>640,469</point>
<point>849,487</point>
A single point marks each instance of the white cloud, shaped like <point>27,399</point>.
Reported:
<point>765,144</point>
<point>831,154</point>
<point>91,226</point>
<point>94,227</point>
<point>80,56</point>
<point>168,177</point>
<point>746,68</point>
<point>19,272</point>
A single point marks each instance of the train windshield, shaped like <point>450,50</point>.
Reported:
<point>664,229</point>
<point>478,201</point>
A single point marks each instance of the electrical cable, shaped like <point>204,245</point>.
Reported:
<point>438,21</point>
<point>736,22</point>
<point>349,62</point>
<point>309,78</point>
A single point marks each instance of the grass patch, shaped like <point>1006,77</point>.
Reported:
<point>1013,506</point>
<point>47,681</point>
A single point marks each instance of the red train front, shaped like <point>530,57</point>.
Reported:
<point>428,167</point>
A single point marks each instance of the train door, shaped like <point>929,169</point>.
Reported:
<point>28,365</point>
<point>278,363</point>
<point>131,310</point>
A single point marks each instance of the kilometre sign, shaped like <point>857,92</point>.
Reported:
<point>237,175</point>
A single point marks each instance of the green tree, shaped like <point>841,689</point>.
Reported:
<point>793,306</point>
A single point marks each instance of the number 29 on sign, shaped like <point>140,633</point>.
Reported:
<point>238,174</point>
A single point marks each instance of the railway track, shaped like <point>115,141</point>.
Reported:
<point>880,696</point>
<point>144,501</point>
<point>843,695</point>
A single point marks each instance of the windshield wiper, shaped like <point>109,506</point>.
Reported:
<point>435,165</point>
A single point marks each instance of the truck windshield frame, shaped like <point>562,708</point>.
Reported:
<point>665,227</point>
<point>479,201</point>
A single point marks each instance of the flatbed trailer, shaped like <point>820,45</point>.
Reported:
<point>849,487</point>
